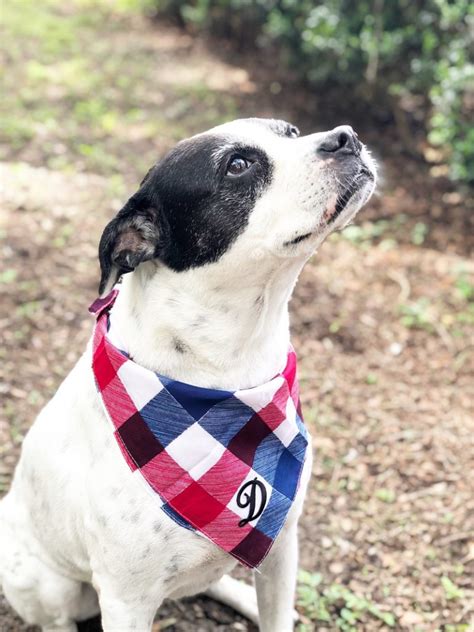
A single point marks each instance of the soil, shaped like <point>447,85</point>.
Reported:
<point>382,320</point>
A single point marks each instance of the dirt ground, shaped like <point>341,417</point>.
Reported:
<point>382,317</point>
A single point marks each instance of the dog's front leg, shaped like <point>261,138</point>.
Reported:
<point>127,612</point>
<point>119,616</point>
<point>276,584</point>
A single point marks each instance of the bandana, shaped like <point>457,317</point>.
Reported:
<point>224,464</point>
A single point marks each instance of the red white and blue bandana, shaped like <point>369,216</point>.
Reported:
<point>224,464</point>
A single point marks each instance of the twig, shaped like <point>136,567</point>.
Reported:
<point>454,537</point>
<point>402,281</point>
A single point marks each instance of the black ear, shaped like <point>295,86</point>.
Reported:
<point>130,238</point>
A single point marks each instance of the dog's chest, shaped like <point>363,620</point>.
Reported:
<point>102,514</point>
<point>129,534</point>
<point>127,530</point>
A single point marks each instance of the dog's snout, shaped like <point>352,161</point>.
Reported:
<point>340,141</point>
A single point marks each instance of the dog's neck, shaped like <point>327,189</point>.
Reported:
<point>197,328</point>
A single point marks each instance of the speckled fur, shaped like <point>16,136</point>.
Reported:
<point>77,530</point>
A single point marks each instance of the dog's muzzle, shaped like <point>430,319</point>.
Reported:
<point>343,147</point>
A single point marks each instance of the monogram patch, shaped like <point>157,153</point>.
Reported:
<point>255,499</point>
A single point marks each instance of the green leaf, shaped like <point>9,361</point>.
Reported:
<point>8,276</point>
<point>451,591</point>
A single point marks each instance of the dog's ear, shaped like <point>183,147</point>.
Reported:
<point>131,237</point>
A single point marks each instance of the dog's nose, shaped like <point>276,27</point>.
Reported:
<point>341,140</point>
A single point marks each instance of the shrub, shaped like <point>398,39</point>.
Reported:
<point>400,48</point>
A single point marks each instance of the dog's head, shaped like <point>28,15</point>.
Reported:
<point>249,190</point>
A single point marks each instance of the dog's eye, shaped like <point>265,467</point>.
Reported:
<point>292,131</point>
<point>237,165</point>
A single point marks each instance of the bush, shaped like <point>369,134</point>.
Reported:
<point>452,97</point>
<point>400,48</point>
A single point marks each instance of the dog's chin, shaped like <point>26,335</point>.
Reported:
<point>345,204</point>
<point>340,210</point>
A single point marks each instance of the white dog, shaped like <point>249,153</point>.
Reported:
<point>214,241</point>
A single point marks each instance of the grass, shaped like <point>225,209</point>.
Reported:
<point>335,605</point>
<point>464,287</point>
<point>8,276</point>
<point>417,314</point>
<point>79,102</point>
<point>454,314</point>
<point>384,232</point>
<point>450,589</point>
<point>386,495</point>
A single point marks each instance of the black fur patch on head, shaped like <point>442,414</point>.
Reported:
<point>205,210</point>
<point>188,210</point>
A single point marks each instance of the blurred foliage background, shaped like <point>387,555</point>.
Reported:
<point>408,56</point>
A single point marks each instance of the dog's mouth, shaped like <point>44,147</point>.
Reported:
<point>298,239</point>
<point>339,202</point>
<point>363,176</point>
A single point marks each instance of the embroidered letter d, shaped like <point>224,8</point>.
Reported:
<point>255,499</point>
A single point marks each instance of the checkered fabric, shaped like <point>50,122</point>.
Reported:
<point>224,464</point>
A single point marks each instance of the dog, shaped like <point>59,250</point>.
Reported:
<point>209,249</point>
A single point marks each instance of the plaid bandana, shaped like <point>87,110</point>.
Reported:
<point>224,464</point>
